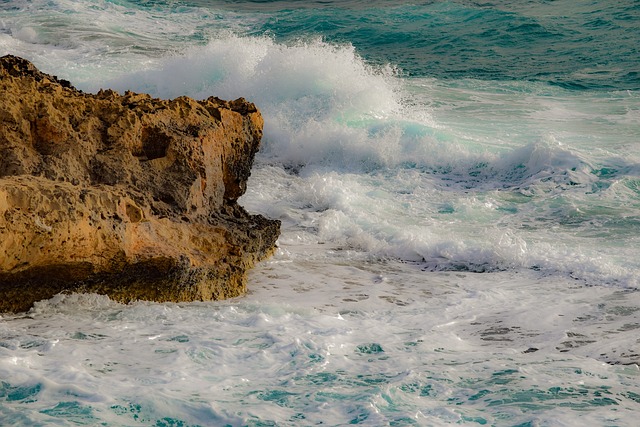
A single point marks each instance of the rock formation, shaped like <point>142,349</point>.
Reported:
<point>128,196</point>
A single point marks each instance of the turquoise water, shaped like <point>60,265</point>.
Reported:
<point>589,45</point>
<point>459,187</point>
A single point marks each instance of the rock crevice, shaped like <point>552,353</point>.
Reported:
<point>126,195</point>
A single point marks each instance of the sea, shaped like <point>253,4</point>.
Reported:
<point>459,188</point>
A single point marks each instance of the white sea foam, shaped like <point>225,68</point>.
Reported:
<point>376,342</point>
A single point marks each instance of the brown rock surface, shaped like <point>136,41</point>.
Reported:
<point>129,196</point>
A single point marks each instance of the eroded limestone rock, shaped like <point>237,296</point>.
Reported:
<point>129,196</point>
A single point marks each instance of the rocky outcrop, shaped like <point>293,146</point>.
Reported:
<point>128,196</point>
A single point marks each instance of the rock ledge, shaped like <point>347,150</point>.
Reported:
<point>128,196</point>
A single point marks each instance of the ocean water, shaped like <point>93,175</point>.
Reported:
<point>459,187</point>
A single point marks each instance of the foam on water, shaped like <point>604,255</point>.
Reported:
<point>366,344</point>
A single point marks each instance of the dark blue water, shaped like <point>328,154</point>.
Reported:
<point>574,44</point>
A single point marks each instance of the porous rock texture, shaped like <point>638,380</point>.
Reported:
<point>128,196</point>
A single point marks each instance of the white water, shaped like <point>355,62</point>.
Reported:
<point>383,342</point>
